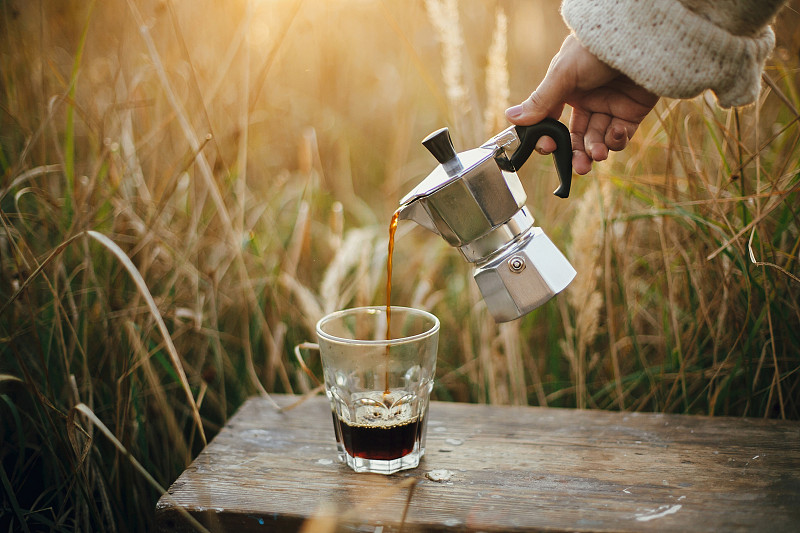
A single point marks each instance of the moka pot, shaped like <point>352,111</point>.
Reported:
<point>475,201</point>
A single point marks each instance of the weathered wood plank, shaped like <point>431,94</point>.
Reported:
<point>512,469</point>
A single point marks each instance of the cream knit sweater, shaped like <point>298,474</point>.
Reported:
<point>679,48</point>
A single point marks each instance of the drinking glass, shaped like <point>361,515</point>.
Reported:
<point>378,384</point>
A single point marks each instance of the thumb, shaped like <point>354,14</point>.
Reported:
<point>547,100</point>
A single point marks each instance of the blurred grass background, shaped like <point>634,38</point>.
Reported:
<point>185,188</point>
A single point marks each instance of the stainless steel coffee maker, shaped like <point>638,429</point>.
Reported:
<point>475,201</point>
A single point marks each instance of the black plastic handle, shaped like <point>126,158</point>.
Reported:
<point>562,157</point>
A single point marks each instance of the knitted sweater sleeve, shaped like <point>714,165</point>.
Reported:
<point>679,48</point>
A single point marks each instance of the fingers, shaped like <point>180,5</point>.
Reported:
<point>616,138</point>
<point>545,145</point>
<point>578,122</point>
<point>593,135</point>
<point>581,163</point>
<point>618,134</point>
<point>594,138</point>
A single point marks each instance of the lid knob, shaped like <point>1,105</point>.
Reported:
<point>440,145</point>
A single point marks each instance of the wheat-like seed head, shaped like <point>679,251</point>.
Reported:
<point>585,254</point>
<point>497,90</point>
<point>443,15</point>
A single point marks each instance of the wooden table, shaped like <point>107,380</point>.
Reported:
<point>490,468</point>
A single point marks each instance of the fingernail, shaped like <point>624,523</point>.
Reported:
<point>618,134</point>
<point>514,112</point>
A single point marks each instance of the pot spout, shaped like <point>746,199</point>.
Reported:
<point>414,210</point>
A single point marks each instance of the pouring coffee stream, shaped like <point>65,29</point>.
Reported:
<point>392,231</point>
<point>475,201</point>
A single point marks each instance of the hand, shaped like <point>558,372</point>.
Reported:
<point>607,107</point>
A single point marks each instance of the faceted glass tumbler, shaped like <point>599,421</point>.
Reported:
<point>378,385</point>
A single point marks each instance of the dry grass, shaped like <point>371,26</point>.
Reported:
<point>186,188</point>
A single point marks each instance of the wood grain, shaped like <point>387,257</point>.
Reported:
<point>511,469</point>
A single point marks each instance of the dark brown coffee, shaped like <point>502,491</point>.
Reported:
<point>335,423</point>
<point>382,442</point>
